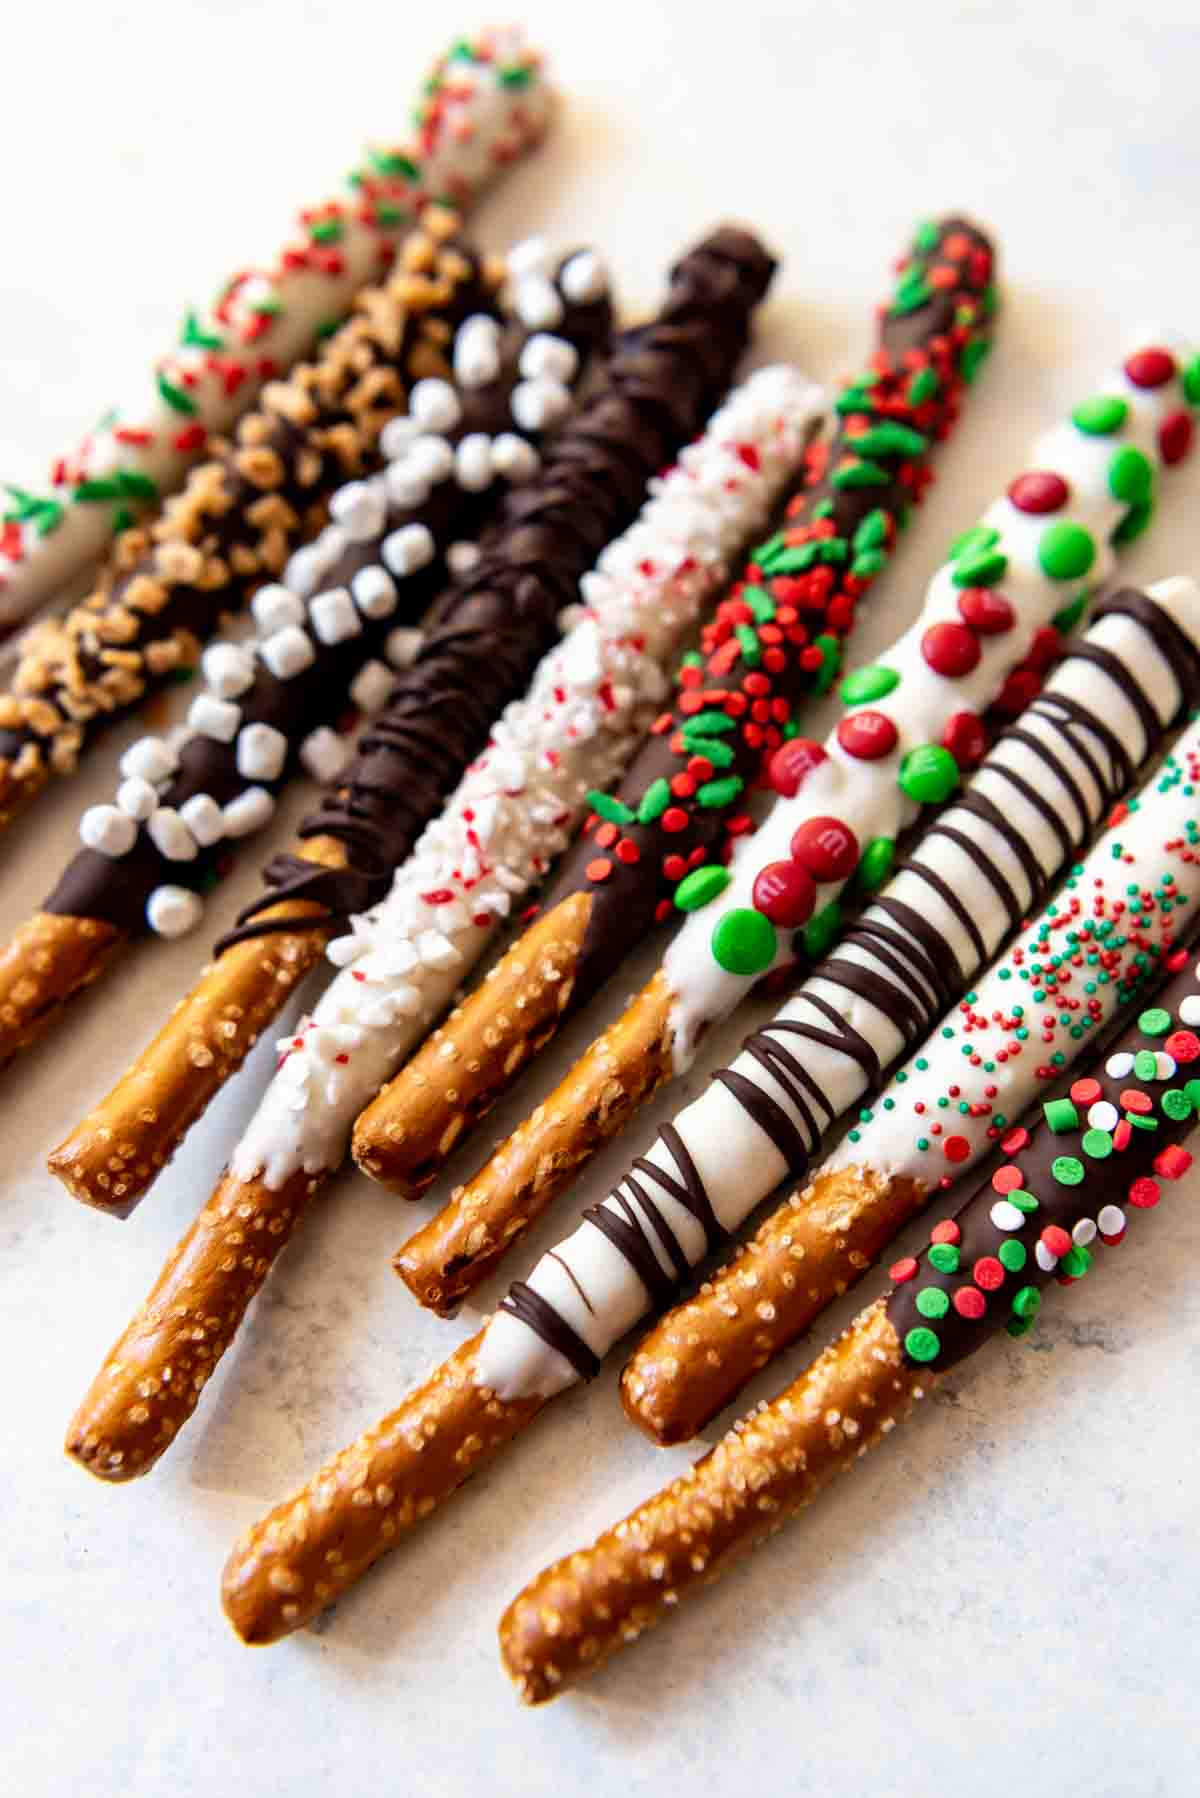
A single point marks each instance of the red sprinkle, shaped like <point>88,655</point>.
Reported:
<point>950,649</point>
<point>969,1302</point>
<point>946,1231</point>
<point>674,867</point>
<point>1150,368</point>
<point>785,893</point>
<point>628,852</point>
<point>600,869</point>
<point>674,819</point>
<point>1039,491</point>
<point>792,763</point>
<point>900,1271</point>
<point>989,1273</point>
<point>867,735</point>
<point>1145,1193</point>
<point>825,848</point>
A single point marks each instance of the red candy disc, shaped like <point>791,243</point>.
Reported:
<point>1086,1091</point>
<point>946,1231</point>
<point>1057,1240</point>
<point>966,739</point>
<point>1007,1179</point>
<point>784,893</point>
<point>1175,437</point>
<point>1016,1139</point>
<point>1122,1136</point>
<point>1173,1162</point>
<point>989,1273</point>
<point>867,735</point>
<point>1150,368</point>
<point>1145,1193</point>
<point>825,848</point>
<point>900,1271</point>
<point>1039,491</point>
<point>1138,1102</point>
<point>950,649</point>
<point>970,1302</point>
<point>987,612</point>
<point>792,763</point>
<point>1184,1045</point>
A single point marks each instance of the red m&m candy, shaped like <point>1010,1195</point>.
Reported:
<point>1175,437</point>
<point>1039,490</point>
<point>965,738</point>
<point>1150,368</point>
<point>987,612</point>
<point>950,648</point>
<point>786,894</point>
<point>825,848</point>
<point>867,735</point>
<point>792,763</point>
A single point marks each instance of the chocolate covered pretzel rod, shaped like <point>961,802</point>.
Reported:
<point>437,718</point>
<point>482,105</point>
<point>152,1380</point>
<point>1023,1022</point>
<point>1076,1178</point>
<point>777,638</point>
<point>239,517</point>
<point>911,721</point>
<point>372,573</point>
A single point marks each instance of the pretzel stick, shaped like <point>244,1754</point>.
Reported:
<point>500,614</point>
<point>1067,1185</point>
<point>373,571</point>
<point>777,638</point>
<point>843,806</point>
<point>483,104</point>
<point>826,1236</point>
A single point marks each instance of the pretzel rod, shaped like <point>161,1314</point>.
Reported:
<point>845,805</point>
<point>483,104</point>
<point>777,638</point>
<point>269,707</point>
<point>238,518</point>
<point>438,716</point>
<point>1026,1020</point>
<point>1073,1179</point>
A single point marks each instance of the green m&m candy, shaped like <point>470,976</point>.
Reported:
<point>1130,476</point>
<point>744,942</point>
<point>1100,416</point>
<point>1066,551</point>
<point>867,684</point>
<point>928,774</point>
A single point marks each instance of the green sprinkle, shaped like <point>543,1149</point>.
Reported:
<point>614,810</point>
<point>859,473</point>
<point>910,296</point>
<point>983,569</point>
<point>710,724</point>
<point>1060,1115</point>
<point>95,490</point>
<point>821,930</point>
<point>867,564</point>
<point>1130,476</point>
<point>979,537</point>
<point>831,660</point>
<point>750,645</point>
<point>720,753</point>
<point>887,438</point>
<point>1101,416</point>
<point>175,397</point>
<point>926,237</point>
<point>1012,1255</point>
<point>1068,1170</point>
<point>787,560</point>
<point>872,532</point>
<point>716,793</point>
<point>1075,1262</point>
<point>932,1302</point>
<point>655,801</point>
<point>1191,382</point>
<point>1027,1302</point>
<point>135,485</point>
<point>922,1344</point>
<point>928,774</point>
<point>515,75</point>
<point>866,684</point>
<point>394,162</point>
<point>923,386</point>
<point>1134,522</point>
<point>1192,1089</point>
<point>876,863</point>
<point>760,603</point>
<point>701,887</point>
<point>945,1257</point>
<point>195,335</point>
<point>326,231</point>
<point>975,353</point>
<point>1139,1121</point>
<point>744,942</point>
<point>1154,1022</point>
<point>1176,1104</point>
<point>1098,1144</point>
<point>1066,620</point>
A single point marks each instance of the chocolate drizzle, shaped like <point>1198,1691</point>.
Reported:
<point>661,382</point>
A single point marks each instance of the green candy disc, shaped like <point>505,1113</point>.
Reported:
<point>922,1345</point>
<point>1012,1254</point>
<point>932,1302</point>
<point>1066,551</point>
<point>1130,476</point>
<point>1060,1115</point>
<point>945,1257</point>
<point>1027,1302</point>
<point>1023,1199</point>
<point>743,942</point>
<point>701,887</point>
<point>928,774</point>
<point>866,684</point>
<point>1154,1022</point>
<point>1097,1144</point>
<point>1145,1064</point>
<point>1100,416</point>
<point>876,863</point>
<point>1176,1104</point>
<point>1068,1170</point>
<point>1075,1262</point>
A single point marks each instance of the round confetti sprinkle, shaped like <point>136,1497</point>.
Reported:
<point>1027,1302</point>
<point>1184,1045</point>
<point>1005,1216</point>
<point>1111,1220</point>
<point>825,848</point>
<point>1066,551</point>
<point>1118,1065</point>
<point>966,739</point>
<point>1130,476</point>
<point>947,1230</point>
<point>1175,435</point>
<point>1086,1091</point>
<point>1084,1231</point>
<point>1097,1145</point>
<point>944,1256</point>
<point>956,1148</point>
<point>1150,367</point>
<point>878,859</point>
<point>928,774</point>
<point>792,763</point>
<point>1145,1193</point>
<point>902,1271</point>
<point>1155,1021</point>
<point>1068,1170</point>
<point>868,736</point>
<point>867,684</point>
<point>783,892</point>
<point>1103,1115</point>
<point>1013,1255</point>
<point>931,1301</point>
<point>743,942</point>
<point>989,1273</point>
<point>701,887</point>
<point>969,1302</point>
<point>1060,1116</point>
<point>1056,1239</point>
<point>1039,491</point>
<point>1100,416</point>
<point>987,612</point>
<point>1007,1179</point>
<point>922,1344</point>
<point>950,649</point>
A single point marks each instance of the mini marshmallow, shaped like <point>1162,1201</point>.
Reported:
<point>288,652</point>
<point>396,436</point>
<point>261,752</point>
<point>435,405</point>
<point>407,485</point>
<point>323,753</point>
<point>359,509</point>
<point>218,718</point>
<point>532,256</point>
<point>371,685</point>
<point>228,669</point>
<point>334,618</point>
<point>304,570</point>
<point>250,811</point>
<point>434,457</point>
<point>204,819</point>
<point>150,758</point>
<point>273,607</point>
<point>137,798</point>
<point>537,304</point>
<point>173,911</point>
<point>408,549</point>
<point>513,458</point>
<point>584,278</point>
<point>374,591</point>
<point>462,557</point>
<point>108,830</point>
<point>403,646</point>
<point>476,356</point>
<point>473,462</point>
<point>538,404</point>
<point>170,835</point>
<point>547,355</point>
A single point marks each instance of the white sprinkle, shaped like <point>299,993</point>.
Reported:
<point>515,459</point>
<point>584,278</point>
<point>547,355</point>
<point>360,509</point>
<point>1189,1011</point>
<point>204,819</point>
<point>371,685</point>
<point>273,607</point>
<point>289,652</point>
<point>1005,1216</point>
<point>170,835</point>
<point>1117,1066</point>
<point>250,811</point>
<point>1084,1231</point>
<point>538,404</point>
<point>461,558</point>
<point>137,797</point>
<point>473,462</point>
<point>1111,1220</point>
<point>396,436</point>
<point>403,645</point>
<point>261,752</point>
<point>173,911</point>
<point>150,758</point>
<point>324,754</point>
<point>228,669</point>
<point>435,405</point>
<point>436,950</point>
<point>374,592</point>
<point>334,618</point>
<point>108,830</point>
<point>1103,1115</point>
<point>408,549</point>
<point>537,303</point>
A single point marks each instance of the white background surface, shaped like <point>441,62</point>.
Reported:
<point>1006,1598</point>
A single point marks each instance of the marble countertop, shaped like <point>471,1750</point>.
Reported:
<point>1006,1597</point>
